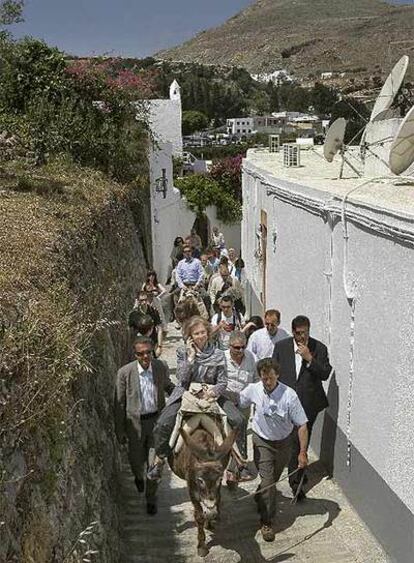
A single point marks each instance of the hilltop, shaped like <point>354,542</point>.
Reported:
<point>307,37</point>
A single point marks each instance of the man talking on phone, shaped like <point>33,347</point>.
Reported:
<point>304,364</point>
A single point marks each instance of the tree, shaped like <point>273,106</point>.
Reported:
<point>193,121</point>
<point>11,11</point>
<point>201,191</point>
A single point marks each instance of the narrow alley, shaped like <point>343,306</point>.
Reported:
<point>323,529</point>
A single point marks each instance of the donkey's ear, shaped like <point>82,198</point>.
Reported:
<point>194,448</point>
<point>226,446</point>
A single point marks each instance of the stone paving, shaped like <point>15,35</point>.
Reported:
<point>323,529</point>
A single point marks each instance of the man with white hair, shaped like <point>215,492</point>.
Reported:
<point>241,371</point>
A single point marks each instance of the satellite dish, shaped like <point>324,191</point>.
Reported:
<point>387,114</point>
<point>334,143</point>
<point>402,149</point>
<point>334,140</point>
<point>390,88</point>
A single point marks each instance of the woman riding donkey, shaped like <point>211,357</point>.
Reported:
<point>199,362</point>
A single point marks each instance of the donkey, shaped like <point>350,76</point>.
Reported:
<point>192,298</point>
<point>201,463</point>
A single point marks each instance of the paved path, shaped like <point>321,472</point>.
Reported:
<point>323,529</point>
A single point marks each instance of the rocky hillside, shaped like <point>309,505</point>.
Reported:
<point>307,37</point>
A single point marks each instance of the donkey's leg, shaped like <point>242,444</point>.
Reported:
<point>201,536</point>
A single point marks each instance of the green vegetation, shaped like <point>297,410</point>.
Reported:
<point>221,187</point>
<point>50,106</point>
<point>193,121</point>
<point>224,92</point>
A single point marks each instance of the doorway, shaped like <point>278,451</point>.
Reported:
<point>202,227</point>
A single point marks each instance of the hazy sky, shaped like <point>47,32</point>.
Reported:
<point>123,27</point>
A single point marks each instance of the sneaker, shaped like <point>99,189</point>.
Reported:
<point>155,472</point>
<point>268,533</point>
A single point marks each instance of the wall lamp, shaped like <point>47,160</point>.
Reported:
<point>162,183</point>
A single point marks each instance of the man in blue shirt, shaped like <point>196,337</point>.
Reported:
<point>189,271</point>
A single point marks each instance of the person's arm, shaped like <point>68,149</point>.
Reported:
<point>167,383</point>
<point>319,366</point>
<point>200,272</point>
<point>299,419</point>
<point>185,368</point>
<point>221,379</point>
<point>245,397</point>
<point>303,443</point>
<point>215,327</point>
<point>178,275</point>
<point>253,370</point>
<point>120,407</point>
<point>275,354</point>
<point>160,336</point>
<point>214,288</point>
<point>162,290</point>
<point>251,345</point>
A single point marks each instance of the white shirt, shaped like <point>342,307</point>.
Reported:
<point>149,402</point>
<point>276,413</point>
<point>298,358</point>
<point>240,375</point>
<point>261,343</point>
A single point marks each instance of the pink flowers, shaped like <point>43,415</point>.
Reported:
<point>112,74</point>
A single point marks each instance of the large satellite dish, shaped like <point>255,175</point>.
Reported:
<point>390,89</point>
<point>334,140</point>
<point>402,149</point>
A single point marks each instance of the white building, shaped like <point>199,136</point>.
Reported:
<point>170,216</point>
<point>278,77</point>
<point>342,253</point>
<point>276,123</point>
<point>239,126</point>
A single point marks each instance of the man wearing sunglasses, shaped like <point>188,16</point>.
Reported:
<point>140,392</point>
<point>241,371</point>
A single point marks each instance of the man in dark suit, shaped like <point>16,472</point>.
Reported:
<point>304,364</point>
<point>140,392</point>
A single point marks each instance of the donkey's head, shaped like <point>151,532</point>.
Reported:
<point>206,469</point>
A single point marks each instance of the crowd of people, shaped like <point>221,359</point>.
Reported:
<point>243,362</point>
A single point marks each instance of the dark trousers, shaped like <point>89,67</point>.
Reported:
<point>166,422</point>
<point>293,462</point>
<point>141,453</point>
<point>270,458</point>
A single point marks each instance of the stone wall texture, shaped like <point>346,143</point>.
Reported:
<point>58,482</point>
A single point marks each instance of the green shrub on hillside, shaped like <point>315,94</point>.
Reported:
<point>83,109</point>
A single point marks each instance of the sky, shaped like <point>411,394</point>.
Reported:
<point>136,28</point>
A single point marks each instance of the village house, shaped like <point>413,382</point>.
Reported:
<point>341,251</point>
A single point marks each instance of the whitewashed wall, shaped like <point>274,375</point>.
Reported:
<point>372,395</point>
<point>170,216</point>
<point>232,233</point>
